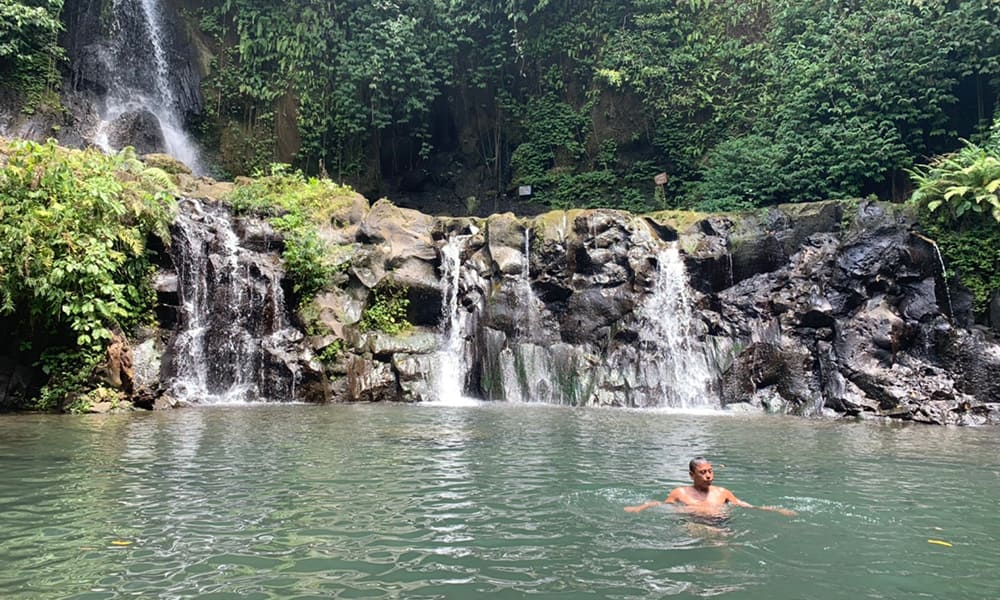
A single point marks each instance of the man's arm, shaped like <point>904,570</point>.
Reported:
<point>642,507</point>
<point>671,498</point>
<point>731,498</point>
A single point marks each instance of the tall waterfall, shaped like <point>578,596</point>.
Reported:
<point>674,362</point>
<point>233,332</point>
<point>449,378</point>
<point>141,82</point>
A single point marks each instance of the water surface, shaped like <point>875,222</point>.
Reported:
<point>489,501</point>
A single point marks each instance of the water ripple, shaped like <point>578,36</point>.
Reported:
<point>459,502</point>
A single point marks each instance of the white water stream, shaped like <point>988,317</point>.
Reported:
<point>674,357</point>
<point>141,80</point>
<point>232,322</point>
<point>449,378</point>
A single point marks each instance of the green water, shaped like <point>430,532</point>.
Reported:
<point>492,501</point>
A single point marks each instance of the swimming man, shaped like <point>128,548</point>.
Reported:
<point>702,498</point>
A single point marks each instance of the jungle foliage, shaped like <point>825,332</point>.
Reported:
<point>742,103</point>
<point>29,49</point>
<point>959,194</point>
<point>74,265</point>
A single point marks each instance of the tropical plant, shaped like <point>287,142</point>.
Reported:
<point>387,310</point>
<point>74,266</point>
<point>960,183</point>
<point>959,198</point>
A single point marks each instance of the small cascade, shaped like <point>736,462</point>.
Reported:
<point>525,366</point>
<point>527,303</point>
<point>450,377</point>
<point>233,335</point>
<point>944,275</point>
<point>141,82</point>
<point>674,364</point>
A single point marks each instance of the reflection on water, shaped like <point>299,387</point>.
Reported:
<point>498,500</point>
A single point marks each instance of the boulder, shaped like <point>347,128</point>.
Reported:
<point>505,236</point>
<point>116,369</point>
<point>404,233</point>
<point>139,129</point>
<point>166,163</point>
<point>370,381</point>
<point>345,219</point>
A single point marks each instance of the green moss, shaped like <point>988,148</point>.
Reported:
<point>679,220</point>
<point>298,206</point>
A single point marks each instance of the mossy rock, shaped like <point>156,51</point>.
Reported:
<point>167,163</point>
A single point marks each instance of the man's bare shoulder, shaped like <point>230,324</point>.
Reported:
<point>679,493</point>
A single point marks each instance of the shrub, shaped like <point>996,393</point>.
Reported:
<point>959,198</point>
<point>387,311</point>
<point>74,265</point>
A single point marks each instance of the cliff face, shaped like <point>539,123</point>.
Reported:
<point>827,308</point>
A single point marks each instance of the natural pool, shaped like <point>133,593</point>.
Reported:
<point>488,501</point>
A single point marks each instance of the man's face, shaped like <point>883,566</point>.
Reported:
<point>702,475</point>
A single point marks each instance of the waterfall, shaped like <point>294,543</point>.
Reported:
<point>944,274</point>
<point>673,361</point>
<point>233,332</point>
<point>449,378</point>
<point>525,368</point>
<point>527,302</point>
<point>141,82</point>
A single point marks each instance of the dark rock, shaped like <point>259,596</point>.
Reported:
<point>139,129</point>
<point>371,381</point>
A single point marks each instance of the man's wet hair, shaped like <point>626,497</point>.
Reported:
<point>698,460</point>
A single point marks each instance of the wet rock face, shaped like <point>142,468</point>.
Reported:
<point>139,129</point>
<point>864,327</point>
<point>233,339</point>
<point>790,312</point>
<point>805,317</point>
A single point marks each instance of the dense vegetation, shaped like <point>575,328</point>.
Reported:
<point>29,50</point>
<point>960,197</point>
<point>74,266</point>
<point>741,102</point>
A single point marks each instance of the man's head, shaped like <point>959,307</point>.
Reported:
<point>701,472</point>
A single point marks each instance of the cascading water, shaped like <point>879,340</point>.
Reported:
<point>449,378</point>
<point>525,366</point>
<point>674,363</point>
<point>141,82</point>
<point>233,332</point>
<point>944,273</point>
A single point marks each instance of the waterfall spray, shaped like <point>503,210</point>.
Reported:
<point>233,330</point>
<point>675,364</point>
<point>449,379</point>
<point>141,81</point>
